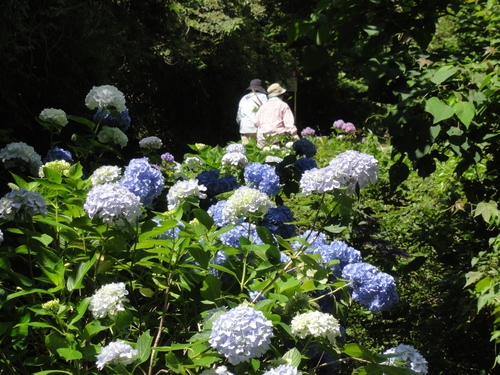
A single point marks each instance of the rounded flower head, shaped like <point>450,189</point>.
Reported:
<point>262,177</point>
<point>304,147</point>
<point>60,166</point>
<point>143,180</point>
<point>115,353</point>
<point>106,174</point>
<point>348,127</point>
<point>357,168</point>
<point>108,300</point>
<point>21,155</point>
<point>371,288</point>
<point>235,159</point>
<point>58,154</point>
<point>314,238</point>
<point>184,189</point>
<point>320,180</point>
<point>338,250</point>
<point>167,157</point>
<point>283,370</point>
<point>273,159</point>
<point>215,211</point>
<point>20,203</point>
<point>215,185</point>
<point>54,116</point>
<point>107,119</point>
<point>410,358</point>
<point>304,164</point>
<point>105,97</point>
<point>112,135</point>
<point>275,220</point>
<point>244,202</point>
<point>308,131</point>
<point>236,147</point>
<point>241,333</point>
<point>315,324</point>
<point>151,143</point>
<point>232,237</point>
<point>113,204</point>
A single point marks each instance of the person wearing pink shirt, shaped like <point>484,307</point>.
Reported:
<point>275,116</point>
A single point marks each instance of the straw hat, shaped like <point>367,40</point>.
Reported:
<point>275,90</point>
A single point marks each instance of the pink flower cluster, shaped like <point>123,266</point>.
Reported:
<point>348,127</point>
<point>308,131</point>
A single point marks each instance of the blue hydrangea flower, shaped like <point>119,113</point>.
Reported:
<point>275,221</point>
<point>21,204</point>
<point>232,238</point>
<point>58,154</point>
<point>143,180</point>
<point>105,118</point>
<point>241,333</point>
<point>216,212</point>
<point>283,370</point>
<point>337,250</point>
<point>314,238</point>
<point>409,357</point>
<point>304,147</point>
<point>371,288</point>
<point>357,168</point>
<point>304,164</point>
<point>262,177</point>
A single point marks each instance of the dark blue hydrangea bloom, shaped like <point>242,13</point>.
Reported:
<point>337,250</point>
<point>304,164</point>
<point>371,288</point>
<point>58,154</point>
<point>105,118</point>
<point>275,221</point>
<point>215,185</point>
<point>262,177</point>
<point>304,147</point>
<point>143,180</point>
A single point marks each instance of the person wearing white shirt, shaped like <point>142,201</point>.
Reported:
<point>255,96</point>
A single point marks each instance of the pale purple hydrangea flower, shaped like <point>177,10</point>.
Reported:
<point>143,180</point>
<point>236,147</point>
<point>106,174</point>
<point>54,116</point>
<point>151,143</point>
<point>105,97</point>
<point>115,353</point>
<point>235,159</point>
<point>320,180</point>
<point>22,203</point>
<point>262,177</point>
<point>113,204</point>
<point>21,155</point>
<point>167,157</point>
<point>241,333</point>
<point>356,168</point>
<point>246,201</point>
<point>315,324</point>
<point>348,127</point>
<point>108,300</point>
<point>308,131</point>
<point>184,189</point>
<point>409,357</point>
<point>112,135</point>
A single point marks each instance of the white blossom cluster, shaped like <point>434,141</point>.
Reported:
<point>113,204</point>
<point>357,168</point>
<point>316,324</point>
<point>283,370</point>
<point>106,98</point>
<point>106,174</point>
<point>245,201</point>
<point>60,166</point>
<point>151,143</point>
<point>108,300</point>
<point>54,116</point>
<point>112,135</point>
<point>183,189</point>
<point>273,159</point>
<point>20,203</point>
<point>241,333</point>
<point>235,159</point>
<point>115,353</point>
<point>21,154</point>
<point>320,180</point>
<point>236,147</point>
<point>221,370</point>
<point>192,162</point>
<point>410,358</point>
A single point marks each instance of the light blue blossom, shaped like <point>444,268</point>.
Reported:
<point>113,204</point>
<point>262,177</point>
<point>19,154</point>
<point>314,238</point>
<point>407,356</point>
<point>232,238</point>
<point>115,353</point>
<point>337,250</point>
<point>321,180</point>
<point>215,211</point>
<point>151,143</point>
<point>58,154</point>
<point>241,333</point>
<point>143,180</point>
<point>236,147</point>
<point>105,174</point>
<point>283,370</point>
<point>356,168</point>
<point>22,203</point>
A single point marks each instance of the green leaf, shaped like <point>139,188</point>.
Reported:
<point>48,372</point>
<point>292,357</point>
<point>266,236</point>
<point>465,112</point>
<point>487,210</point>
<point>358,351</point>
<point>204,218</point>
<point>438,109</point>
<point>143,347</point>
<point>443,73</point>
<point>69,354</point>
<point>211,288</point>
<point>76,277</point>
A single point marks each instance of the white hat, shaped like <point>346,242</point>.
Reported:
<point>275,90</point>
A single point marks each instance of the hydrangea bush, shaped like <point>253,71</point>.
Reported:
<point>248,272</point>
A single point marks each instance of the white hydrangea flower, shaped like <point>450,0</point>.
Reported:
<point>106,98</point>
<point>316,324</point>
<point>114,135</point>
<point>114,204</point>
<point>108,300</point>
<point>273,159</point>
<point>236,147</point>
<point>245,201</point>
<point>54,116</point>
<point>241,333</point>
<point>357,167</point>
<point>320,180</point>
<point>410,358</point>
<point>115,353</point>
<point>60,166</point>
<point>106,174</point>
<point>1,236</point>
<point>21,154</point>
<point>184,189</point>
<point>283,370</point>
<point>235,159</point>
<point>151,143</point>
<point>221,370</point>
<point>192,162</point>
